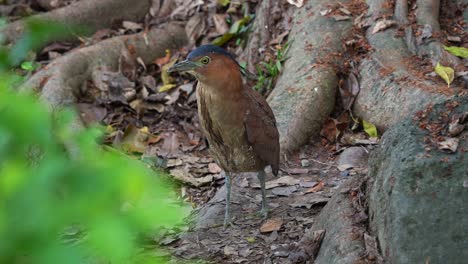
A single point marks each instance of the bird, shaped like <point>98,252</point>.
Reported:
<point>236,120</point>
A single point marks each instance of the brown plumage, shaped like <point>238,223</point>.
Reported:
<point>236,120</point>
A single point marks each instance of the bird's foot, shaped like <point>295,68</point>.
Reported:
<point>227,223</point>
<point>264,213</point>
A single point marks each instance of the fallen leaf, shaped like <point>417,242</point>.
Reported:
<point>296,171</point>
<point>370,129</point>
<point>297,3</point>
<point>183,174</point>
<point>461,52</point>
<point>449,144</point>
<point>310,201</point>
<point>271,225</point>
<point>455,128</point>
<point>329,130</point>
<point>284,191</point>
<point>349,89</point>
<point>382,25</point>
<point>220,23</point>
<point>195,27</point>
<point>224,2</point>
<point>163,60</point>
<point>316,188</point>
<point>446,73</point>
<point>167,87</point>
<point>134,139</point>
<point>214,168</point>
<point>282,181</point>
<point>165,77</point>
<point>91,114</point>
<point>174,163</point>
<point>344,167</point>
<point>250,239</point>
<point>230,251</point>
<point>340,17</point>
<point>131,25</point>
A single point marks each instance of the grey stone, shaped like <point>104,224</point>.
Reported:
<point>418,206</point>
<point>354,157</point>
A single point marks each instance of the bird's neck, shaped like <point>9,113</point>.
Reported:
<point>223,88</point>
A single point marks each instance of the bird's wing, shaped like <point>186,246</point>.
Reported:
<point>261,131</point>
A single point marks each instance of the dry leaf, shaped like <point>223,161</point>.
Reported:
<point>214,168</point>
<point>163,60</point>
<point>271,225</point>
<point>297,3</point>
<point>382,25</point>
<point>449,144</point>
<point>282,181</point>
<point>316,188</point>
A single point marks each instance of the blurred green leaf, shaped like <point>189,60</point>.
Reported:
<point>44,190</point>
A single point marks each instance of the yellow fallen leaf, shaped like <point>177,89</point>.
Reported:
<point>446,73</point>
<point>166,87</point>
<point>461,52</point>
<point>165,77</point>
<point>369,128</point>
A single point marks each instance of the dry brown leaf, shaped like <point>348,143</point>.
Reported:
<point>316,188</point>
<point>163,60</point>
<point>297,3</point>
<point>382,25</point>
<point>214,168</point>
<point>271,225</point>
<point>449,144</point>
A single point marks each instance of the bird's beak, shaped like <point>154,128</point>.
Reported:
<point>183,66</point>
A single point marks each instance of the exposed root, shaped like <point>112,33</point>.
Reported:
<point>391,86</point>
<point>304,95</point>
<point>63,78</point>
<point>427,15</point>
<point>91,14</point>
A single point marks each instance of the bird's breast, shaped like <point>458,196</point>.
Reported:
<point>222,121</point>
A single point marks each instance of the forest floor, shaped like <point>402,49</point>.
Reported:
<point>153,116</point>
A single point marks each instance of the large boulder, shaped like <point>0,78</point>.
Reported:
<point>418,199</point>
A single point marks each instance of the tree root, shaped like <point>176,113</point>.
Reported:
<point>63,78</point>
<point>390,87</point>
<point>427,15</point>
<point>340,240</point>
<point>304,95</point>
<point>87,13</point>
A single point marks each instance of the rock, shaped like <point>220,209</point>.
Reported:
<point>353,157</point>
<point>417,203</point>
<point>305,163</point>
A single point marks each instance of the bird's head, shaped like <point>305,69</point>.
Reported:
<point>211,65</point>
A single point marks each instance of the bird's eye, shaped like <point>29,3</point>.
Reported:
<point>205,60</point>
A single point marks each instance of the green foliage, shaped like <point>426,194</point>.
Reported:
<point>269,71</point>
<point>100,200</point>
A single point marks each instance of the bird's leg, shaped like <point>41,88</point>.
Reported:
<point>261,178</point>
<point>227,213</point>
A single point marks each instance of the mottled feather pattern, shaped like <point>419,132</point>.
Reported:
<point>260,126</point>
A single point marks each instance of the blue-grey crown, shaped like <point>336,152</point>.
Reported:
<point>206,50</point>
